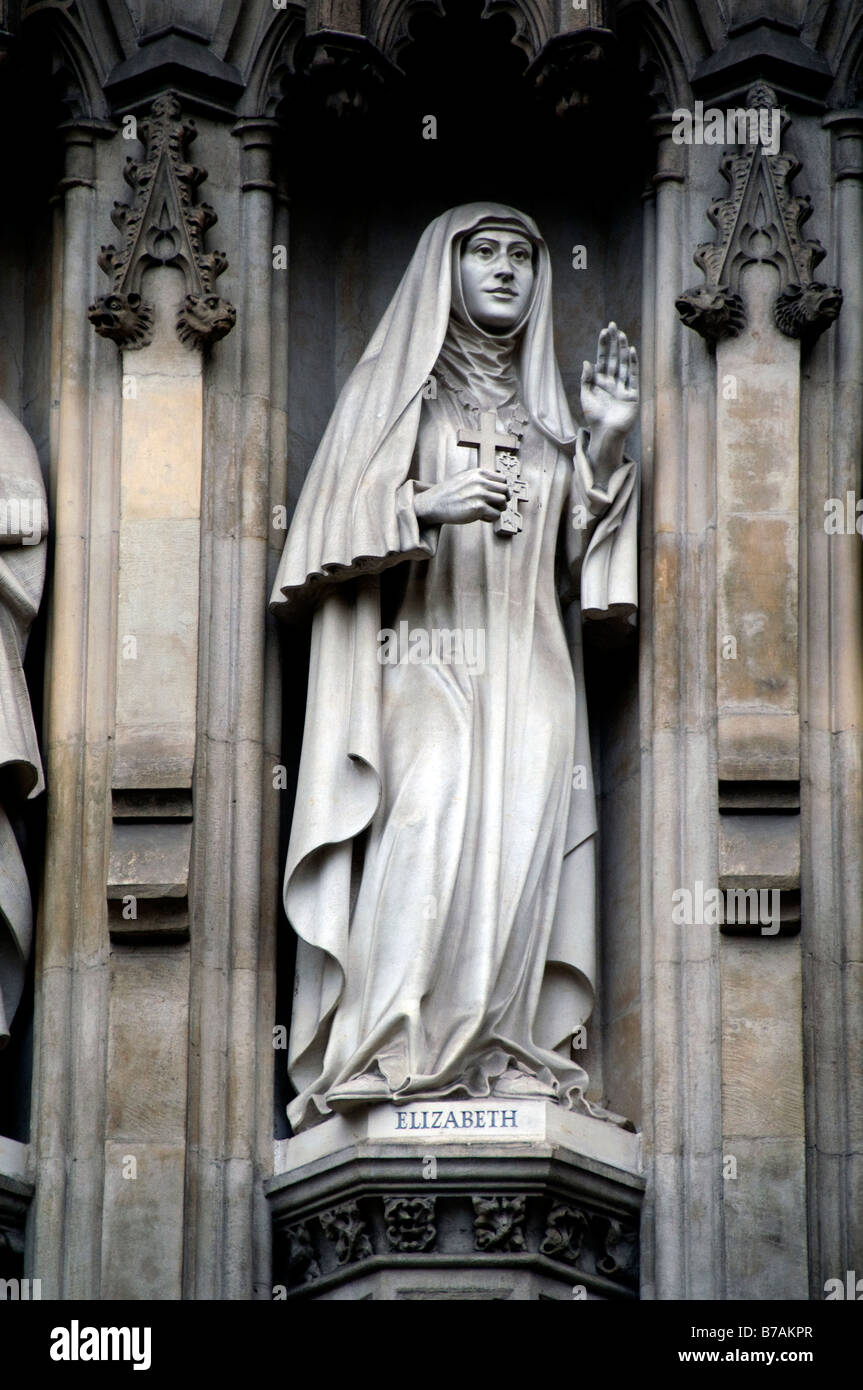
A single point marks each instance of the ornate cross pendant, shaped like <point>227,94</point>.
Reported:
<point>489,444</point>
<point>510,521</point>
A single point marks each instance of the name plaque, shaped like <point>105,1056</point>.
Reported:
<point>441,1121</point>
<point>495,1121</point>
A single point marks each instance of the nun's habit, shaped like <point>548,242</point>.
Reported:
<point>23,547</point>
<point>440,873</point>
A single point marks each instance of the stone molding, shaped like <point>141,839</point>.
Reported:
<point>163,226</point>
<point>364,1212</point>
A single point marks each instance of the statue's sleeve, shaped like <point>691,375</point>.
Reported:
<point>602,537</point>
<point>355,515</point>
<point>417,541</point>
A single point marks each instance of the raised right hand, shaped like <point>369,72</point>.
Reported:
<point>474,495</point>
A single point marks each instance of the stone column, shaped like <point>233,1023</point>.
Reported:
<point>681,1238</point>
<point>762,311</point>
<point>832,708</point>
<point>757,439</point>
<point>72,940</point>
<point>235,858</point>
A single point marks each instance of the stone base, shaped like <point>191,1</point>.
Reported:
<point>467,1200</point>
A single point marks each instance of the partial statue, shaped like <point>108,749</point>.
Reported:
<point>454,529</point>
<point>23,547</point>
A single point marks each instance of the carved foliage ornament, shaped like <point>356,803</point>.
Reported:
<point>410,1222</point>
<point>428,1228</point>
<point>300,1253</point>
<point>499,1223</point>
<point>759,220</point>
<point>163,226</point>
<point>565,1232</point>
<point>345,1228</point>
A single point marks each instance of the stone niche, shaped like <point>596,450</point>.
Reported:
<point>361,1207</point>
<point>353,230</point>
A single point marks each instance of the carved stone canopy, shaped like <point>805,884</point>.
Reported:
<point>573,71</point>
<point>759,220</point>
<point>163,226</point>
<point>345,71</point>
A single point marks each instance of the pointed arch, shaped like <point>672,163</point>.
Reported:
<point>59,24</point>
<point>659,56</point>
<point>272,59</point>
<point>389,26</point>
<point>531,20</point>
<point>848,87</point>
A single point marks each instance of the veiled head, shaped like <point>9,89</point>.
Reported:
<point>497,277</point>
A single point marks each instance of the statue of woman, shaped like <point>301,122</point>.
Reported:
<point>440,871</point>
<point>23,549</point>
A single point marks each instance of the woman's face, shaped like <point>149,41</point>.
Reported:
<point>496,277</point>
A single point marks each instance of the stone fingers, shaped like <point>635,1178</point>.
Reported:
<point>632,378</point>
<point>613,350</point>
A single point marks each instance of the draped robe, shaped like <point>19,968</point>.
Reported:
<point>22,575</point>
<point>440,873</point>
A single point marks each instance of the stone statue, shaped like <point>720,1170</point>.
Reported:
<point>23,547</point>
<point>440,874</point>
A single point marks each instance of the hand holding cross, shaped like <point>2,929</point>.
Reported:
<point>497,453</point>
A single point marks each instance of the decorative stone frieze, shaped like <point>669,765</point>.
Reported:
<point>366,1223</point>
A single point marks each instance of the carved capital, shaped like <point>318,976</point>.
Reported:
<point>163,226</point>
<point>760,219</point>
<point>846,128</point>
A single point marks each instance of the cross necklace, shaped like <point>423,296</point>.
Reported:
<point>497,452</point>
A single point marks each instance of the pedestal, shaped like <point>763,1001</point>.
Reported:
<point>461,1200</point>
